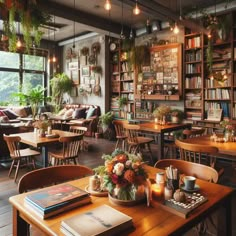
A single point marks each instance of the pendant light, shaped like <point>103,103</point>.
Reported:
<point>136,10</point>
<point>176,27</point>
<point>54,59</point>
<point>122,36</point>
<point>18,43</point>
<point>74,28</point>
<point>107,5</point>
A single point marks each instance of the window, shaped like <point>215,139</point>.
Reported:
<point>20,72</point>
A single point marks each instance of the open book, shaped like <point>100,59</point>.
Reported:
<point>103,220</point>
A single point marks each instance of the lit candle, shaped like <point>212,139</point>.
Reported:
<point>156,120</point>
<point>157,191</point>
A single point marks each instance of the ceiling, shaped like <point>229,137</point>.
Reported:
<point>90,16</point>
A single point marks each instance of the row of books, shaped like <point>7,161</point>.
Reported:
<point>193,42</point>
<point>212,83</point>
<point>193,56</point>
<point>217,94</point>
<point>193,82</point>
<point>127,76</point>
<point>193,68</point>
<point>219,105</point>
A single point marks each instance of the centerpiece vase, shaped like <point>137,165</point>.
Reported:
<point>228,135</point>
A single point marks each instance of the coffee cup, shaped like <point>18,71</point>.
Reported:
<point>189,182</point>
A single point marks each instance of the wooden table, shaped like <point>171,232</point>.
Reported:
<point>153,220</point>
<point>226,150</point>
<point>34,140</point>
<point>160,130</point>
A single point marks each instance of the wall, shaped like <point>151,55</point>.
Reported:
<point>88,98</point>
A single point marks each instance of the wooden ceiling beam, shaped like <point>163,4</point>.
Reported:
<point>81,17</point>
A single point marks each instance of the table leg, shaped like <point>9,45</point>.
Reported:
<point>228,216</point>
<point>160,141</point>
<point>20,227</point>
<point>45,156</point>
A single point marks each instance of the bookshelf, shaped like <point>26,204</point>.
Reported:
<point>211,86</point>
<point>122,80</point>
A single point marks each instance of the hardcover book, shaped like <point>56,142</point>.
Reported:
<point>52,200</point>
<point>103,220</point>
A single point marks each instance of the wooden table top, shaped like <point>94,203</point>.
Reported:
<point>34,140</point>
<point>157,128</point>
<point>228,148</point>
<point>153,220</point>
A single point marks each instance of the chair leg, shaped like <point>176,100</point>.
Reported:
<point>17,169</point>
<point>12,165</point>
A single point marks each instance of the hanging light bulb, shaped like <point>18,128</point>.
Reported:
<point>122,36</point>
<point>54,59</point>
<point>107,5</point>
<point>18,43</point>
<point>131,34</point>
<point>176,29</point>
<point>136,10</point>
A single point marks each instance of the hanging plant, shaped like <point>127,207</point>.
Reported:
<point>96,69</point>
<point>31,18</point>
<point>84,51</point>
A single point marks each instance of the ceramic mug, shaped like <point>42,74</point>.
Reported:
<point>189,182</point>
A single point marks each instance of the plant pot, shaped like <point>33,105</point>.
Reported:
<point>174,119</point>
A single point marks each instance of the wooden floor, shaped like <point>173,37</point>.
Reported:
<point>90,158</point>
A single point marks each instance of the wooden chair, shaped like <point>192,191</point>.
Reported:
<point>200,171</point>
<point>20,157</point>
<point>70,150</point>
<point>80,130</point>
<point>190,133</point>
<point>120,133</point>
<point>136,142</point>
<point>52,175</point>
<point>197,152</point>
<point>170,147</point>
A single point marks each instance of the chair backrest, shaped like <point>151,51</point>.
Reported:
<point>132,132</point>
<point>78,129</point>
<point>189,133</point>
<point>200,171</point>
<point>194,152</point>
<point>119,127</point>
<point>52,175</point>
<point>13,145</point>
<point>71,145</point>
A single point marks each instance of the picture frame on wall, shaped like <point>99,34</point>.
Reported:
<point>74,65</point>
<point>75,76</point>
<point>85,71</point>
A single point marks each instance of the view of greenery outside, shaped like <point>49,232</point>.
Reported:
<point>19,72</point>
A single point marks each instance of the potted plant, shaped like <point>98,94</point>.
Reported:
<point>161,112</point>
<point>34,97</point>
<point>106,120</point>
<point>60,84</point>
<point>177,116</point>
<point>122,101</point>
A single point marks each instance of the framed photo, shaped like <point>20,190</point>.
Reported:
<point>75,76</point>
<point>74,65</point>
<point>85,71</point>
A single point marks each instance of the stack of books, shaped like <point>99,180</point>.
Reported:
<point>102,220</point>
<point>52,200</point>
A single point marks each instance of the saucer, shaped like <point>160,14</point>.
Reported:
<point>96,193</point>
<point>196,188</point>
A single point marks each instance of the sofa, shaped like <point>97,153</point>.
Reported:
<point>83,115</point>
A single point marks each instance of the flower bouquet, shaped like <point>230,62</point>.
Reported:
<point>123,176</point>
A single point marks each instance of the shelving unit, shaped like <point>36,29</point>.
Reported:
<point>194,74</point>
<point>162,82</point>
<point>122,80</point>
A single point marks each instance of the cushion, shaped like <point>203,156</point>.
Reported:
<point>28,110</point>
<point>20,111</point>
<point>79,113</point>
<point>2,113</point>
<point>10,114</point>
<point>4,119</point>
<point>90,112</point>
<point>68,114</point>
